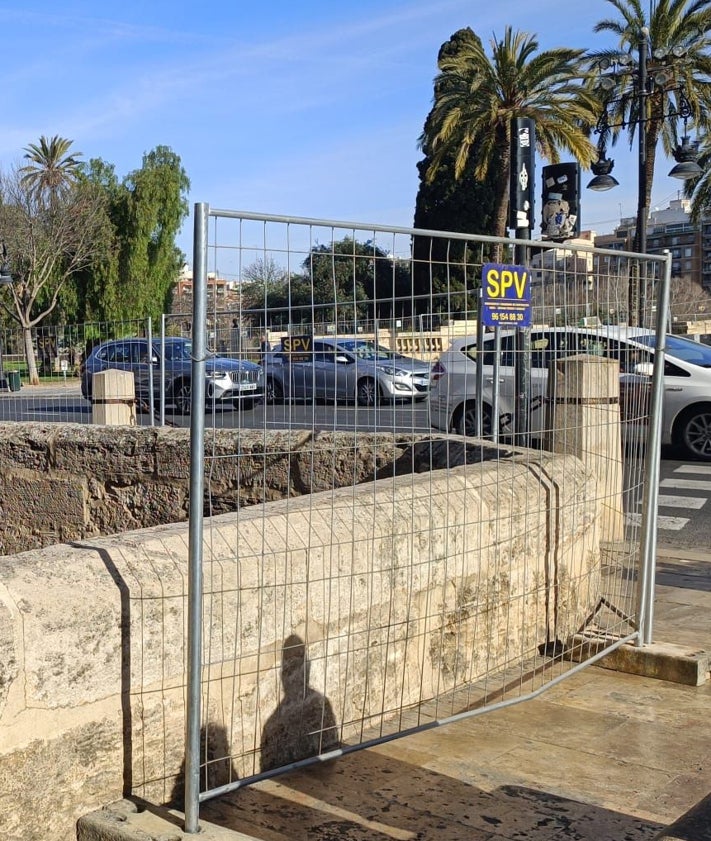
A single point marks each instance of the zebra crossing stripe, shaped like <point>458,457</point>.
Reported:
<point>700,469</point>
<point>686,484</point>
<point>663,523</point>
<point>672,501</point>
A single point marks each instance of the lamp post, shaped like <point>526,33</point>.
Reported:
<point>685,154</point>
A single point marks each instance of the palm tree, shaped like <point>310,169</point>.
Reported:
<point>699,191</point>
<point>678,38</point>
<point>476,99</point>
<point>52,169</point>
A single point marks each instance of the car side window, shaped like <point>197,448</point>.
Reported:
<point>119,353</point>
<point>139,353</point>
<point>672,370</point>
<point>508,351</point>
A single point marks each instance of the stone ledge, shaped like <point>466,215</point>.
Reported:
<point>124,821</point>
<point>661,660</point>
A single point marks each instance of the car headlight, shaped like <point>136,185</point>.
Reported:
<point>394,372</point>
<point>215,375</point>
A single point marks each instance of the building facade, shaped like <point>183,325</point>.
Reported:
<point>670,229</point>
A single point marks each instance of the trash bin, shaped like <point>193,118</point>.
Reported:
<point>13,380</point>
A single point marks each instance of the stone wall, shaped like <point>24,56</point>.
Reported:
<point>63,482</point>
<point>467,571</point>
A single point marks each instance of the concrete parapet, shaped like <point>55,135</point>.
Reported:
<point>583,418</point>
<point>92,635</point>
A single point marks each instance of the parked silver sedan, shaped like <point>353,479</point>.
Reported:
<point>686,420</point>
<point>342,369</point>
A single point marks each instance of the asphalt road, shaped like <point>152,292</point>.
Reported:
<point>67,406</point>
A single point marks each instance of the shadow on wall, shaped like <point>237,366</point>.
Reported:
<point>216,768</point>
<point>303,724</point>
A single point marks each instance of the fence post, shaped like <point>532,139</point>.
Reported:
<point>195,522</point>
<point>650,497</point>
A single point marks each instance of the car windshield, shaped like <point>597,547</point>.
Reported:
<point>695,353</point>
<point>178,351</point>
<point>367,350</point>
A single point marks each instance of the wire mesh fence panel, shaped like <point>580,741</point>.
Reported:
<point>46,371</point>
<point>371,567</point>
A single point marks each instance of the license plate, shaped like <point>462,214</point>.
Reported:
<point>248,387</point>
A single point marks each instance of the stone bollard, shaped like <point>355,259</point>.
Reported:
<point>113,400</point>
<point>583,418</point>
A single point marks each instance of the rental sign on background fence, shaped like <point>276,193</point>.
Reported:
<point>506,296</point>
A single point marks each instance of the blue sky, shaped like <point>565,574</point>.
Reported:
<point>309,108</point>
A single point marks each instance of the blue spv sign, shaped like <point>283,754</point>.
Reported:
<point>506,295</point>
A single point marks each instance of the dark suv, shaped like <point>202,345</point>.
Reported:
<point>227,379</point>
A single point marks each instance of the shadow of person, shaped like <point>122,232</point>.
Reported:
<point>303,724</point>
<point>216,767</point>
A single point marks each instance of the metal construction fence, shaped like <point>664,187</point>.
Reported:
<point>386,571</point>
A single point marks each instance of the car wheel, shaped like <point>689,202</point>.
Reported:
<point>273,392</point>
<point>695,433</point>
<point>182,395</point>
<point>367,393</point>
<point>466,423</point>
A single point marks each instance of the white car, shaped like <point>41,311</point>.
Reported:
<point>687,380</point>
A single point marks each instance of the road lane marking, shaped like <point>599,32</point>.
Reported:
<point>681,501</point>
<point>686,484</point>
<point>663,523</point>
<point>703,469</point>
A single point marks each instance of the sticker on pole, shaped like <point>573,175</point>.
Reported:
<point>506,296</point>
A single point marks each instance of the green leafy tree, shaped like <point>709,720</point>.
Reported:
<point>149,213</point>
<point>679,36</point>
<point>136,270</point>
<point>341,282</point>
<point>477,96</point>
<point>98,287</point>
<point>352,280</point>
<point>47,245</point>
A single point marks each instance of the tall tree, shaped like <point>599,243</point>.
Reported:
<point>699,190</point>
<point>51,169</point>
<point>476,97</point>
<point>47,247</point>
<point>679,38</point>
<point>447,203</point>
<point>134,278</point>
<point>150,214</point>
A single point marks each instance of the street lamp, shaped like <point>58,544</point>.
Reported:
<point>647,78</point>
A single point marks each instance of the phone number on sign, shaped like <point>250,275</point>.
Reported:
<point>507,316</point>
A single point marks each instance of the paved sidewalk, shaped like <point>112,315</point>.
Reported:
<point>602,756</point>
